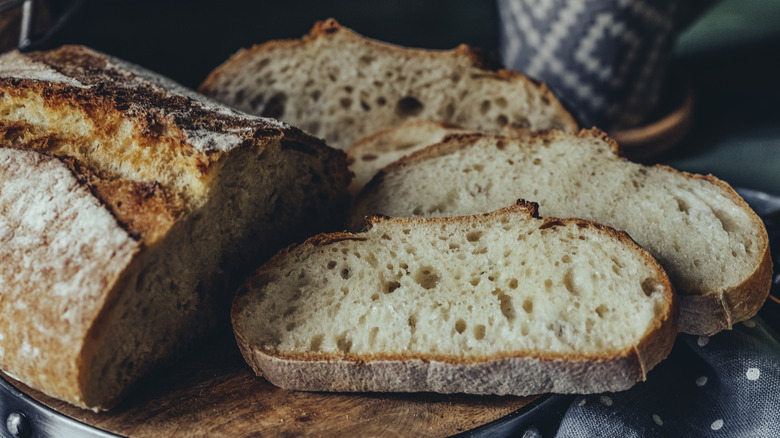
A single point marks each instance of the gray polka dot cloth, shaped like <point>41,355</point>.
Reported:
<point>726,385</point>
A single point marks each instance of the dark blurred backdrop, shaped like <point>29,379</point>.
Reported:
<point>731,55</point>
<point>187,39</point>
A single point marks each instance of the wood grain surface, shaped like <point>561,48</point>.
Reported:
<point>213,393</point>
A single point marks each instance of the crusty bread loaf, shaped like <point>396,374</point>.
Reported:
<point>131,208</point>
<point>499,303</point>
<point>714,247</point>
<point>341,86</point>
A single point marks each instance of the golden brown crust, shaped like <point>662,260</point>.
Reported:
<point>102,162</point>
<point>75,252</point>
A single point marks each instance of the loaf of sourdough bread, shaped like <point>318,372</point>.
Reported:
<point>130,210</point>
<point>341,86</point>
<point>499,303</point>
<point>714,247</point>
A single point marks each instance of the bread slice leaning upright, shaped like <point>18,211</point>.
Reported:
<point>712,244</point>
<point>130,210</point>
<point>499,303</point>
<point>341,86</point>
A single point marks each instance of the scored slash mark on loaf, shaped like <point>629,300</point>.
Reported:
<point>561,305</point>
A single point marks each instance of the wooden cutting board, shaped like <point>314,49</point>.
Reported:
<point>213,393</point>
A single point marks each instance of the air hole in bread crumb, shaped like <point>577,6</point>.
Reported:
<point>290,326</point>
<point>368,157</point>
<point>485,107</point>
<point>261,64</point>
<point>316,342</point>
<point>479,332</point>
<point>290,310</point>
<point>524,329</point>
<point>454,246</point>
<point>566,259</point>
<point>344,343</point>
<point>365,60</point>
<point>346,274</point>
<point>408,107</point>
<point>365,105</point>
<point>372,335</point>
<point>331,264</point>
<point>501,102</point>
<point>315,95</point>
<point>417,210</point>
<point>521,122</point>
<point>448,111</point>
<point>537,161</point>
<point>275,106</point>
<point>475,281</point>
<point>568,282</point>
<point>513,283</point>
<point>381,101</point>
<point>427,277</point>
<point>345,102</point>
<point>390,286</point>
<point>474,236</point>
<point>507,309</point>
<point>374,297</point>
<point>460,325</point>
<point>651,286</point>
<point>682,205</point>
<point>502,120</point>
<point>528,305</point>
<point>727,223</point>
<point>548,284</point>
<point>386,237</point>
<point>482,250</point>
<point>602,310</point>
<point>412,322</point>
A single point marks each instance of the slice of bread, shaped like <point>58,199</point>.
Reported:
<point>714,247</point>
<point>131,210</point>
<point>371,153</point>
<point>341,86</point>
<point>499,303</point>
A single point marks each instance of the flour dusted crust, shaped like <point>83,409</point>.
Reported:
<point>60,249</point>
<point>124,194</point>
